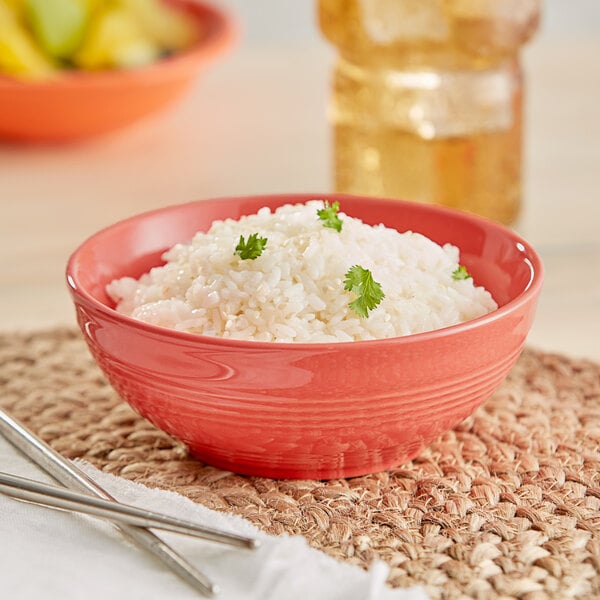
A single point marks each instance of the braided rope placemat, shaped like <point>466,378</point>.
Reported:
<point>507,505</point>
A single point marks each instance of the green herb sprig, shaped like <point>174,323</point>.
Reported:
<point>461,273</point>
<point>251,248</point>
<point>359,281</point>
<point>329,215</point>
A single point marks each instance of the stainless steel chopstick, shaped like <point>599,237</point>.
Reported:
<point>61,498</point>
<point>72,477</point>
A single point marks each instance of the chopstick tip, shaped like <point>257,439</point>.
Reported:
<point>253,544</point>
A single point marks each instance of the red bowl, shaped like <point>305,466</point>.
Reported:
<point>81,104</point>
<point>320,410</point>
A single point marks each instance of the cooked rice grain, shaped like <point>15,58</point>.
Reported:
<point>294,291</point>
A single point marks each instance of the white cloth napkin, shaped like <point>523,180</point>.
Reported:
<point>55,555</point>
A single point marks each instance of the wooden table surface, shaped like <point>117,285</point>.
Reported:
<point>255,123</point>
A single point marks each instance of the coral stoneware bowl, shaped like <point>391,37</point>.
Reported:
<point>306,410</point>
<point>80,104</point>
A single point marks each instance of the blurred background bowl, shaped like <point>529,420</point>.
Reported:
<point>306,410</point>
<point>81,104</point>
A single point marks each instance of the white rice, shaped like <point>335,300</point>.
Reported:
<point>294,291</point>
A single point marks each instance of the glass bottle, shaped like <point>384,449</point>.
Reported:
<point>427,99</point>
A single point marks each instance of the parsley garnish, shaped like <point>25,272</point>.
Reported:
<point>461,273</point>
<point>369,294</point>
<point>328,214</point>
<point>252,248</point>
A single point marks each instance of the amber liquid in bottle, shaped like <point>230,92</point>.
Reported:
<point>427,100</point>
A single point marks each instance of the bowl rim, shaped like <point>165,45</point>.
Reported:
<point>221,34</point>
<point>532,288</point>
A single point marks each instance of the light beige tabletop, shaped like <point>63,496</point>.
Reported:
<point>255,123</point>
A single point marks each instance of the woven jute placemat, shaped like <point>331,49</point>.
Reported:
<point>507,505</point>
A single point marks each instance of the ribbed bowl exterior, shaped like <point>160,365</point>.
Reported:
<point>337,412</point>
<point>314,411</point>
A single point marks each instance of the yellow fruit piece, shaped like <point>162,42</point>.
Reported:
<point>169,27</point>
<point>15,5</point>
<point>115,39</point>
<point>19,56</point>
<point>93,6</point>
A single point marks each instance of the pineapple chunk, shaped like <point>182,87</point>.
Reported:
<point>19,56</point>
<point>169,27</point>
<point>115,39</point>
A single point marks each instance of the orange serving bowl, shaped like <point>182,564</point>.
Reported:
<point>83,104</point>
<point>319,410</point>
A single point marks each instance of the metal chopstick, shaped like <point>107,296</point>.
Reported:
<point>61,498</point>
<point>72,477</point>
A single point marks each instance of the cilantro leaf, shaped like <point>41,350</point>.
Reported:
<point>328,214</point>
<point>369,293</point>
<point>252,248</point>
<point>461,273</point>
